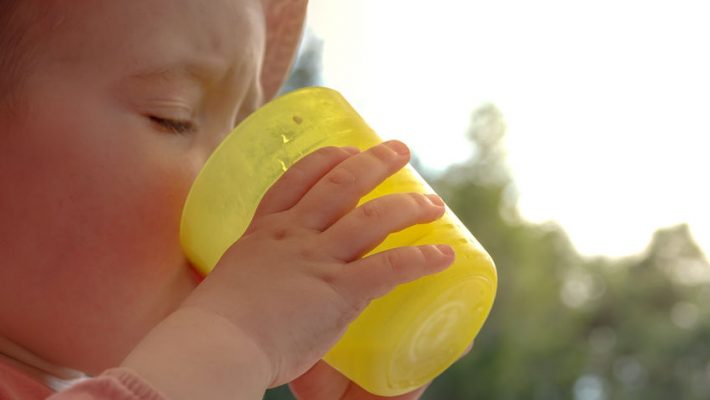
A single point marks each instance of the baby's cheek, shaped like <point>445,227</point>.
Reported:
<point>131,186</point>
<point>152,212</point>
<point>92,226</point>
<point>149,273</point>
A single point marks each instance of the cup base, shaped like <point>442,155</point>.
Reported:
<point>447,326</point>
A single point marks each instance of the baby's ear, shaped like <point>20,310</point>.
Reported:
<point>284,27</point>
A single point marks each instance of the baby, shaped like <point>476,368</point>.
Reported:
<point>108,109</point>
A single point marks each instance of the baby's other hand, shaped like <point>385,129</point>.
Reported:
<point>296,278</point>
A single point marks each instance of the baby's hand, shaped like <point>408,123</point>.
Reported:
<point>284,293</point>
<point>295,280</point>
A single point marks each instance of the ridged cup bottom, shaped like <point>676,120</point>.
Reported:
<point>437,341</point>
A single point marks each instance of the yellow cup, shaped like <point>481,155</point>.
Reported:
<point>400,341</point>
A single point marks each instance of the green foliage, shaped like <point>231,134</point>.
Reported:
<point>568,327</point>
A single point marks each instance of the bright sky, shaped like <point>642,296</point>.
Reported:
<point>607,102</point>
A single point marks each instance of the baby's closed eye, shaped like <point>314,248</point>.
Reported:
<point>173,125</point>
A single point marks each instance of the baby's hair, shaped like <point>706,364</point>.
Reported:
<point>16,48</point>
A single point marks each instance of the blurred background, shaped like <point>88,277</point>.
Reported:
<point>570,138</point>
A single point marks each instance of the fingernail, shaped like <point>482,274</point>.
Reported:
<point>398,147</point>
<point>351,149</point>
<point>446,250</point>
<point>435,199</point>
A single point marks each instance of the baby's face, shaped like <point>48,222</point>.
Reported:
<point>125,102</point>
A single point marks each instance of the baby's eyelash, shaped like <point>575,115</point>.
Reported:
<point>174,126</point>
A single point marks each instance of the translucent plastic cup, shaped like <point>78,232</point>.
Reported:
<point>401,341</point>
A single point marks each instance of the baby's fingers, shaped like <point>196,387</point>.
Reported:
<point>362,229</point>
<point>299,179</point>
<point>340,189</point>
<point>374,276</point>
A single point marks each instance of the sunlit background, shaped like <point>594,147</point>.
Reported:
<point>599,191</point>
<point>606,101</point>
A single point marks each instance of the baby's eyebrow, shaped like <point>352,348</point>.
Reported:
<point>202,73</point>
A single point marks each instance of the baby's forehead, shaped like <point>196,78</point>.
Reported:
<point>133,32</point>
<point>137,32</point>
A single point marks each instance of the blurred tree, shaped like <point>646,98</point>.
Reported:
<point>568,327</point>
<point>516,355</point>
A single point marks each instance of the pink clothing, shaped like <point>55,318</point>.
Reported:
<point>114,384</point>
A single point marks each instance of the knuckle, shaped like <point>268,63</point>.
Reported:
<point>342,176</point>
<point>274,229</point>
<point>294,175</point>
<point>394,262</point>
<point>413,202</point>
<point>424,208</point>
<point>427,253</point>
<point>418,200</point>
<point>383,153</point>
<point>280,234</point>
<point>332,152</point>
<point>372,210</point>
